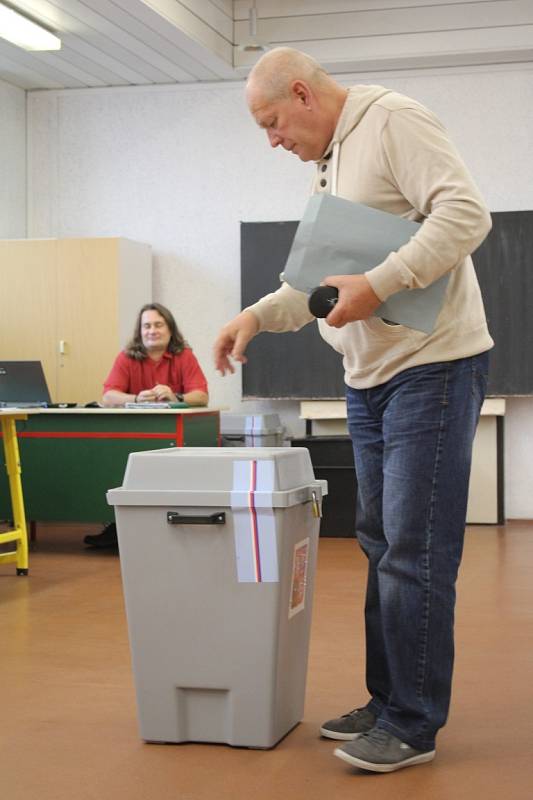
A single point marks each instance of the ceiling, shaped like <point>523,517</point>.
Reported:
<point>144,42</point>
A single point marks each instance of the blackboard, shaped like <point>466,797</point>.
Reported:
<point>302,366</point>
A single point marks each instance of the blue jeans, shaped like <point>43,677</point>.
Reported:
<point>412,439</point>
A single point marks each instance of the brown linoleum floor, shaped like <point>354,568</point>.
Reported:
<point>68,727</point>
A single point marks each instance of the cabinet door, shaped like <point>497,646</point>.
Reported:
<point>87,316</point>
<point>28,318</point>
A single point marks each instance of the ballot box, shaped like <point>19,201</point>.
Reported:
<point>218,550</point>
<point>251,430</point>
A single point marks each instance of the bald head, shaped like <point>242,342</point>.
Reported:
<point>277,69</point>
<point>295,101</point>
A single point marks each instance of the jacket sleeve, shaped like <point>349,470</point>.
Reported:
<point>281,311</point>
<point>425,167</point>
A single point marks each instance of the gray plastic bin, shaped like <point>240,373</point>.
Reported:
<point>218,550</point>
<point>251,430</point>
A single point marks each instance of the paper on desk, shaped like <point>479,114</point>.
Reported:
<point>338,237</point>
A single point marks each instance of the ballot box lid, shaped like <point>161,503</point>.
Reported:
<point>251,424</point>
<point>273,476</point>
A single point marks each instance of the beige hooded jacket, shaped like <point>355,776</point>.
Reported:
<point>391,153</point>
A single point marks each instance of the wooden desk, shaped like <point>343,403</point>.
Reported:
<point>486,503</point>
<point>18,534</point>
<point>73,456</point>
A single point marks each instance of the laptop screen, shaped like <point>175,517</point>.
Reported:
<point>23,382</point>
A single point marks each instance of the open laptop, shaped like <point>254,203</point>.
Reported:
<point>23,385</point>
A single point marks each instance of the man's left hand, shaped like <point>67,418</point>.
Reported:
<point>357,300</point>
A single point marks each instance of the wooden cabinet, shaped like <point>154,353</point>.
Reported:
<point>71,304</point>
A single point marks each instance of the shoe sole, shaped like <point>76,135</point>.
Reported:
<point>340,737</point>
<point>370,766</point>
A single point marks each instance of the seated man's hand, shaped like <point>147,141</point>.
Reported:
<point>163,394</point>
<point>146,396</point>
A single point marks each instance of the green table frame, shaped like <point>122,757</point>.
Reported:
<point>72,457</point>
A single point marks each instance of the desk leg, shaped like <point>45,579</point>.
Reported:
<point>19,533</point>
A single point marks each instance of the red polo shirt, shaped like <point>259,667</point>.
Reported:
<point>181,372</point>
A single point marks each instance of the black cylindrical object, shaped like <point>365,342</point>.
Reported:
<point>322,300</point>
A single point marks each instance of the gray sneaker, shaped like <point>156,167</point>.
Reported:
<point>380,751</point>
<point>350,725</point>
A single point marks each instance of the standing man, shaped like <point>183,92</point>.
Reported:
<point>413,399</point>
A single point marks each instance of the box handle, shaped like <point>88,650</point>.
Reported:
<point>218,518</point>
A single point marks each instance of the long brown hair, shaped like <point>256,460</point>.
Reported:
<point>135,348</point>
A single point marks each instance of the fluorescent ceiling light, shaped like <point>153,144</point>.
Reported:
<point>25,33</point>
<point>251,44</point>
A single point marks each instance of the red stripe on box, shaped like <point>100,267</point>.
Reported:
<point>253,519</point>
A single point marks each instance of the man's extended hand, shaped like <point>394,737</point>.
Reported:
<point>357,300</point>
<point>233,340</point>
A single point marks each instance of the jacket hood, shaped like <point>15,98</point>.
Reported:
<point>358,101</point>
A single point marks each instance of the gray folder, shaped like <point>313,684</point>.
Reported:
<point>338,237</point>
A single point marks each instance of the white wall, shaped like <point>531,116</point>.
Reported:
<point>12,162</point>
<point>179,167</point>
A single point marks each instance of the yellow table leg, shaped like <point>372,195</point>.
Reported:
<point>19,533</point>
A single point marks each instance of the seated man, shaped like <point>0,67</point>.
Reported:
<point>156,366</point>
